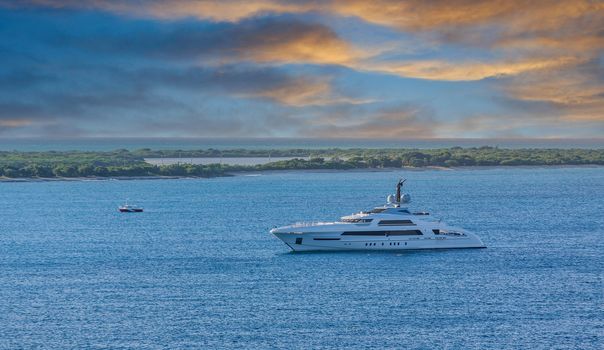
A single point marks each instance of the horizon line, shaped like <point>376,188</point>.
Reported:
<point>298,138</point>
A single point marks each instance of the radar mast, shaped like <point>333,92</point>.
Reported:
<point>399,185</point>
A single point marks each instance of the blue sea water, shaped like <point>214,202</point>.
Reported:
<point>198,268</point>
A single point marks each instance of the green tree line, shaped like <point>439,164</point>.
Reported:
<point>15,164</point>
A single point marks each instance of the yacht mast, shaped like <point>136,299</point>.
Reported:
<point>399,185</point>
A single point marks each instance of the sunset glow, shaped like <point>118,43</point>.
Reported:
<point>279,68</point>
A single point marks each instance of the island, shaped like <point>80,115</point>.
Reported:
<point>123,163</point>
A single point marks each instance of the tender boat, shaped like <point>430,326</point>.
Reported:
<point>127,208</point>
<point>392,226</point>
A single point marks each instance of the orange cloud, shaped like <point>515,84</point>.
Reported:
<point>568,91</point>
<point>303,43</point>
<point>305,92</point>
<point>530,39</point>
<point>577,92</point>
<point>466,71</point>
<point>542,20</point>
<point>517,24</point>
<point>518,21</point>
<point>516,125</point>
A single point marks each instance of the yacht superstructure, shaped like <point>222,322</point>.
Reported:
<point>389,227</point>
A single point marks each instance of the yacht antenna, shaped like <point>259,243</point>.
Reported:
<point>398,189</point>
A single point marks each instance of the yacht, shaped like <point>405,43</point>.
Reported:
<point>392,226</point>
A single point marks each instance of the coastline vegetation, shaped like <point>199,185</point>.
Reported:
<point>125,163</point>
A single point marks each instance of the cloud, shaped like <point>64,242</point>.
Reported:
<point>7,125</point>
<point>467,70</point>
<point>504,24</point>
<point>271,39</point>
<point>14,123</point>
<point>422,15</point>
<point>500,22</point>
<point>520,125</point>
<point>231,10</point>
<point>26,119</point>
<point>243,59</point>
<point>88,73</point>
<point>520,36</point>
<point>277,40</point>
<point>572,86</point>
<point>268,83</point>
<point>303,92</point>
<point>168,63</point>
<point>236,124</point>
<point>573,94</point>
<point>492,126</point>
<point>523,31</point>
<point>404,121</point>
<point>206,99</point>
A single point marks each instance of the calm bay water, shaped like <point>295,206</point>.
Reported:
<point>218,160</point>
<point>198,268</point>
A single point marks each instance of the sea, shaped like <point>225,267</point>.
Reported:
<point>198,268</point>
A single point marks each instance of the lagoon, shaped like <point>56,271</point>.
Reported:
<point>198,268</point>
<point>246,161</point>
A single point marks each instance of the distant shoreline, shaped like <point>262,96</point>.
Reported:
<point>206,163</point>
<point>426,168</point>
<point>4,179</point>
<point>99,178</point>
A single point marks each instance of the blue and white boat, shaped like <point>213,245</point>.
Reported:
<point>392,226</point>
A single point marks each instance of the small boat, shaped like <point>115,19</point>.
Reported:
<point>127,208</point>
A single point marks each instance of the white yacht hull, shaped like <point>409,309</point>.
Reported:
<point>317,242</point>
<point>389,227</point>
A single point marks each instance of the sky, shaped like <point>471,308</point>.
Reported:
<point>281,68</point>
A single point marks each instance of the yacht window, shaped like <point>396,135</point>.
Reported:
<point>298,240</point>
<point>396,223</point>
<point>364,233</point>
<point>362,221</point>
<point>436,231</point>
<point>404,233</point>
<point>376,210</point>
<point>404,211</point>
<point>383,233</point>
